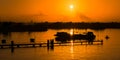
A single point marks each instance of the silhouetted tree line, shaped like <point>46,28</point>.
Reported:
<point>82,25</point>
<point>14,27</point>
<point>43,26</point>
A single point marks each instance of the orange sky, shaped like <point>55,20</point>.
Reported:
<point>59,10</point>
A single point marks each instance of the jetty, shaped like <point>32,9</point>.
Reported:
<point>49,43</point>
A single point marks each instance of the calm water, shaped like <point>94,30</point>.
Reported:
<point>110,50</point>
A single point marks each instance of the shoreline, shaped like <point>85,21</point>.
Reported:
<point>44,26</point>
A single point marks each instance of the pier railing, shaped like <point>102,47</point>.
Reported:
<point>49,43</point>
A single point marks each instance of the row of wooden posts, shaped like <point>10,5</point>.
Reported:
<point>49,44</point>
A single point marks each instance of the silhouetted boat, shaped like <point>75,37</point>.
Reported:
<point>64,36</point>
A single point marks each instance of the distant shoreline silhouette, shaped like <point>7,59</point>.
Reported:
<point>44,26</point>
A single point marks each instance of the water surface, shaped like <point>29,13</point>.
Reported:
<point>108,51</point>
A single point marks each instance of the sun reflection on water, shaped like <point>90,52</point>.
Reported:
<point>71,31</point>
<point>71,42</point>
<point>72,50</point>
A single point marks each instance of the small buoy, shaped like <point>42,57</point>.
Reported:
<point>107,37</point>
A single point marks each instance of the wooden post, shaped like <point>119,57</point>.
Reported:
<point>101,42</point>
<point>40,45</point>
<point>18,46</point>
<point>48,44</point>
<point>1,46</point>
<point>52,44</point>
<point>12,46</point>
<point>33,45</point>
<point>92,42</point>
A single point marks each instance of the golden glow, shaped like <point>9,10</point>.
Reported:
<point>71,42</point>
<point>71,32</point>
<point>55,10</point>
<point>71,6</point>
<point>71,49</point>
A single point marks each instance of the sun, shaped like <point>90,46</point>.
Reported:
<point>71,6</point>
